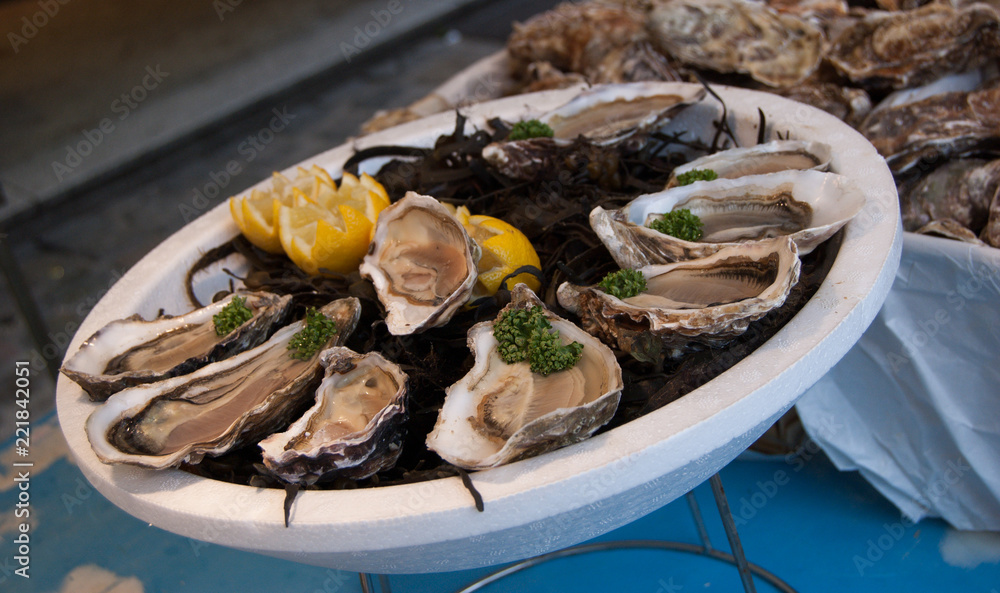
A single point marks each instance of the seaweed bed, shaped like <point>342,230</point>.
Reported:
<point>553,212</point>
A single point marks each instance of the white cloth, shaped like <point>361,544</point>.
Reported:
<point>915,405</point>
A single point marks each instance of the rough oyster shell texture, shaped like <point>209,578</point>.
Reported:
<point>699,302</point>
<point>901,49</point>
<point>776,49</point>
<point>422,263</point>
<point>354,430</point>
<point>219,407</point>
<point>499,413</point>
<point>133,351</point>
<point>945,125</point>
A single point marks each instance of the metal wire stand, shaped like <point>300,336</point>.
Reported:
<point>737,558</point>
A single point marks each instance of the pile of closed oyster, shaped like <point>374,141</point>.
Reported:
<point>919,78</point>
<point>396,372</point>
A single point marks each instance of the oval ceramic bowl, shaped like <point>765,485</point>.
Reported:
<point>551,501</point>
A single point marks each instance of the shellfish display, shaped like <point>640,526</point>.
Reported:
<point>133,351</point>
<point>216,408</point>
<point>502,412</point>
<point>266,419</point>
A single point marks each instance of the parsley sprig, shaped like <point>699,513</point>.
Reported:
<point>310,339</point>
<point>531,128</point>
<point>233,315</point>
<point>679,223</point>
<point>623,283</point>
<point>689,177</point>
<point>526,334</point>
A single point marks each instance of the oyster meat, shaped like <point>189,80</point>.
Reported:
<point>133,351</point>
<point>808,206</point>
<point>354,430</point>
<point>777,49</point>
<point>219,407</point>
<point>499,412</point>
<point>422,263</point>
<point>699,302</point>
<point>770,157</point>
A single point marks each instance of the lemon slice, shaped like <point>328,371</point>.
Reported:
<point>505,249</point>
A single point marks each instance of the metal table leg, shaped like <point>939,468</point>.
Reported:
<point>747,569</point>
<point>368,586</point>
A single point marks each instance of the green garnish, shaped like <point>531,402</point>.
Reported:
<point>623,283</point>
<point>531,128</point>
<point>525,334</point>
<point>689,177</point>
<point>310,339</point>
<point>233,315</point>
<point>679,223</point>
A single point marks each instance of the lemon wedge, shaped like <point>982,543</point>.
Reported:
<point>505,249</point>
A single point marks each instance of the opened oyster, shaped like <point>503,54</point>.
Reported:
<point>706,301</point>
<point>499,412</point>
<point>354,430</point>
<point>422,262</point>
<point>603,115</point>
<point>770,157</point>
<point>808,206</point>
<point>133,351</point>
<point>219,407</point>
<point>777,49</point>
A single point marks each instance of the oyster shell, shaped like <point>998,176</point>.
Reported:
<point>950,229</point>
<point>907,48</point>
<point>846,103</point>
<point>219,407</point>
<point>354,430</point>
<point>422,262</point>
<point>779,50</point>
<point>499,412</point>
<point>706,301</point>
<point>770,157</point>
<point>808,206</point>
<point>133,351</point>
<point>960,190</point>
<point>941,126</point>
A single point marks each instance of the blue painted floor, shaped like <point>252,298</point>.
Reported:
<point>817,528</point>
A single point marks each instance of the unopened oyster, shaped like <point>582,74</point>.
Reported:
<point>705,301</point>
<point>777,49</point>
<point>941,126</point>
<point>907,48</point>
<point>354,430</point>
<point>961,190</point>
<point>808,206</point>
<point>133,351</point>
<point>499,412</point>
<point>219,407</point>
<point>422,262</point>
<point>770,157</point>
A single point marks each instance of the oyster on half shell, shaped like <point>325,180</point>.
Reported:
<point>808,206</point>
<point>770,157</point>
<point>219,407</point>
<point>133,351</point>
<point>706,301</point>
<point>603,115</point>
<point>354,430</point>
<point>422,263</point>
<point>499,412</point>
